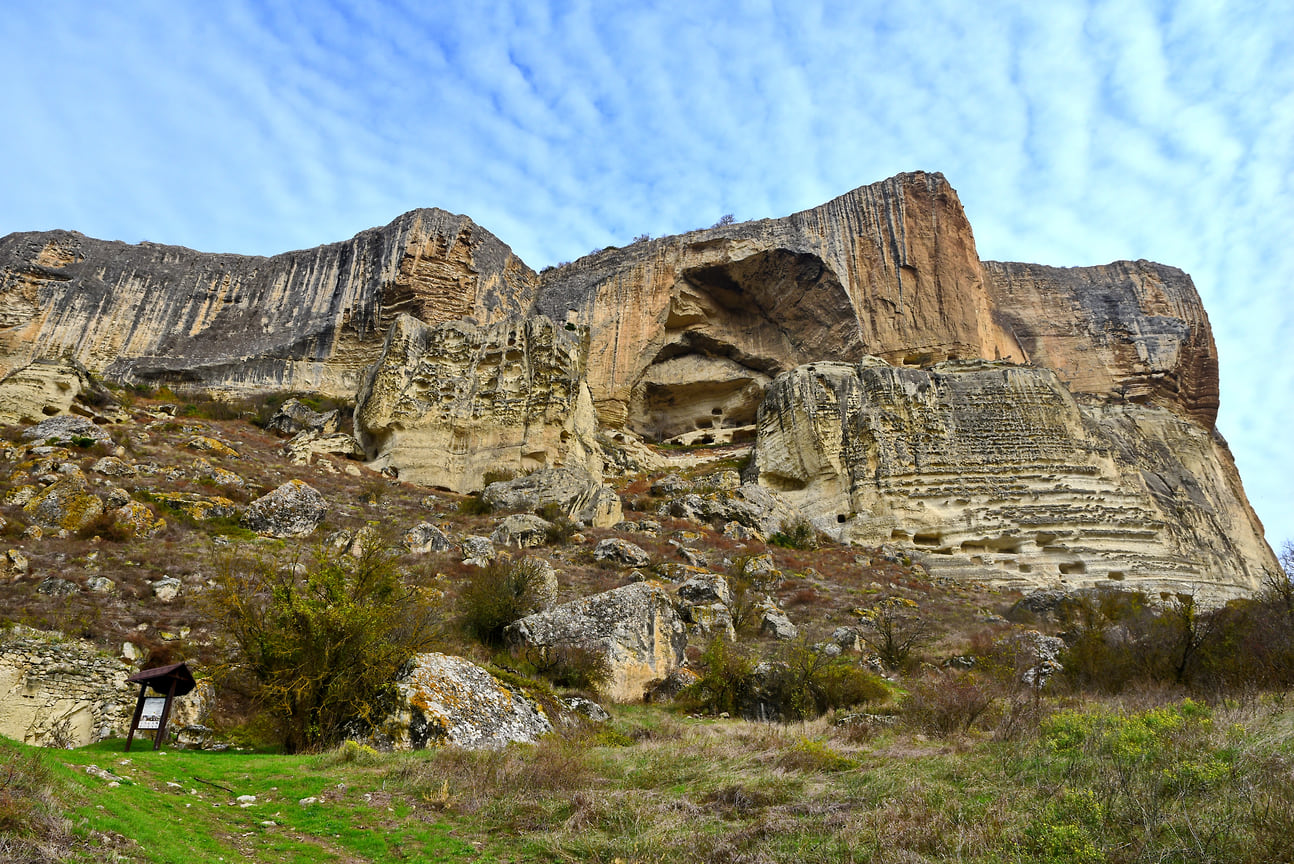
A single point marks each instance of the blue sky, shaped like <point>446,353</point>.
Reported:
<point>1075,133</point>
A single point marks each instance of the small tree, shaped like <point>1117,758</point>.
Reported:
<point>725,219</point>
<point>893,629</point>
<point>322,643</point>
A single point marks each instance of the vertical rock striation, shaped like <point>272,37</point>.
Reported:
<point>308,320</point>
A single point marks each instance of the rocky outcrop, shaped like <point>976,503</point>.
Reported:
<point>688,330</point>
<point>308,320</point>
<point>446,404</point>
<point>576,493</point>
<point>1129,332</point>
<point>995,471</point>
<point>635,627</point>
<point>443,700</point>
<point>294,509</point>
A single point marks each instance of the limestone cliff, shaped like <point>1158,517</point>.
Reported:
<point>308,320</point>
<point>1000,474</point>
<point>444,405</point>
<point>688,330</point>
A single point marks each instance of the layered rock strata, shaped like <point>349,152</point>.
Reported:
<point>997,472</point>
<point>445,404</point>
<point>688,330</point>
<point>308,320</point>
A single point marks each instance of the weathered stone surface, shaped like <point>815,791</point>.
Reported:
<point>751,505</point>
<point>521,530</point>
<point>705,588</point>
<point>477,551</point>
<point>444,700</point>
<point>1131,331</point>
<point>308,320</point>
<point>424,538</point>
<point>773,622</point>
<point>61,691</point>
<point>111,466</point>
<point>139,519</point>
<point>446,404</point>
<point>686,330</point>
<point>56,587</point>
<point>64,429</point>
<point>49,387</point>
<point>636,627</point>
<point>999,474</point>
<point>294,509</point>
<point>214,446</point>
<point>579,495</point>
<point>294,417</point>
<point>621,552</point>
<point>67,503</point>
<point>167,588</point>
<point>197,506</point>
<point>305,445</point>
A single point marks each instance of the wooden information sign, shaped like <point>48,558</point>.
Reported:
<point>151,712</point>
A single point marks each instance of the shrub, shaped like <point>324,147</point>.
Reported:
<point>474,505</point>
<point>946,702</point>
<point>577,667</point>
<point>324,647</point>
<point>810,755</point>
<point>796,534</point>
<point>498,475</point>
<point>805,683</point>
<point>498,595</point>
<point>727,679</point>
<point>893,629</point>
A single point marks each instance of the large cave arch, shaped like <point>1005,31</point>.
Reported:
<point>729,330</point>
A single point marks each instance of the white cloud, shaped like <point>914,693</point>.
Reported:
<point>1075,132</point>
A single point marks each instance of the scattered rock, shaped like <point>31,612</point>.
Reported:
<point>141,520</point>
<point>705,588</point>
<point>636,628</point>
<point>774,623</point>
<point>100,585</point>
<point>167,588</point>
<point>521,530</point>
<point>197,506</point>
<point>424,538</point>
<point>587,708</point>
<point>207,444</point>
<point>67,503</point>
<point>444,700</point>
<point>56,587</point>
<point>14,562</point>
<point>204,470</point>
<point>579,495</point>
<point>294,509</point>
<point>111,466</point>
<point>477,551</point>
<point>301,449</point>
<point>294,417</point>
<point>65,429</point>
<point>623,552</point>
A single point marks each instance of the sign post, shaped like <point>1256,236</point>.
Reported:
<point>152,712</point>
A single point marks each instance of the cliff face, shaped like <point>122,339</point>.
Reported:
<point>1133,331</point>
<point>687,330</point>
<point>309,320</point>
<point>1088,453</point>
<point>997,473</point>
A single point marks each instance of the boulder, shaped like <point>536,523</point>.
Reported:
<point>521,530</point>
<point>443,700</point>
<point>749,504</point>
<point>424,538</point>
<point>214,446</point>
<point>635,627</point>
<point>773,622</point>
<point>621,552</point>
<point>705,588</point>
<point>294,417</point>
<point>111,466</point>
<point>204,470</point>
<point>167,588</point>
<point>65,429</point>
<point>197,506</point>
<point>304,446</point>
<point>578,494</point>
<point>477,551</point>
<point>139,519</point>
<point>294,509</point>
<point>446,404</point>
<point>67,504</point>
<point>56,587</point>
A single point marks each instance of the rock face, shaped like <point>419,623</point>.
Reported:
<point>446,404</point>
<point>308,320</point>
<point>636,627</point>
<point>444,700</point>
<point>998,473</point>
<point>687,330</point>
<point>464,360</point>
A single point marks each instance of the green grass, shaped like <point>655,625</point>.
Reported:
<point>1102,782</point>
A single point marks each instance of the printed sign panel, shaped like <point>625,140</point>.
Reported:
<point>152,716</point>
